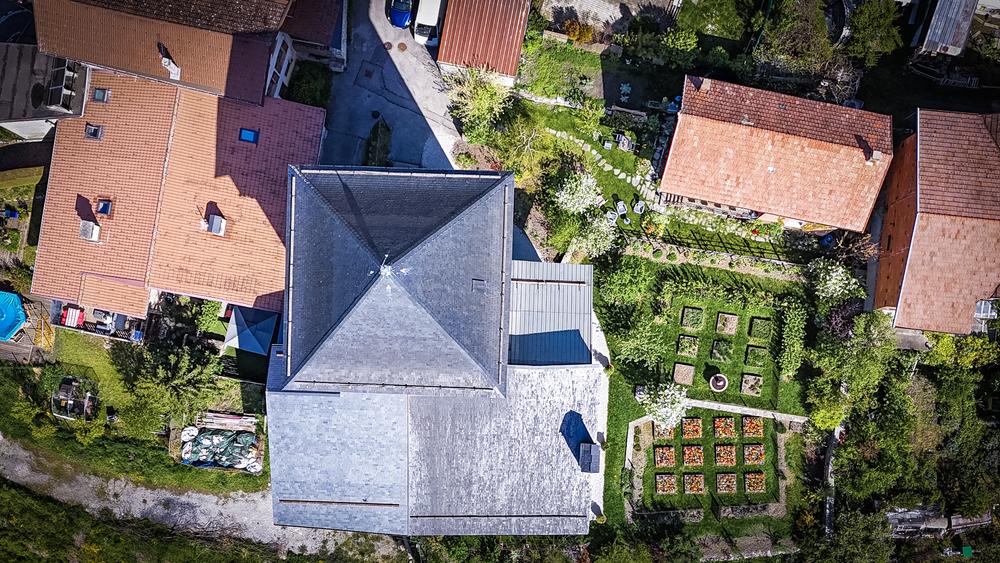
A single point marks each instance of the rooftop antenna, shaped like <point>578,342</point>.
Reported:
<point>385,269</point>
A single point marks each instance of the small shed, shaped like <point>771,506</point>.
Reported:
<point>12,316</point>
<point>251,330</point>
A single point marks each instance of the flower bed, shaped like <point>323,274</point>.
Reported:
<point>725,427</point>
<point>760,328</point>
<point>666,484</point>
<point>725,483</point>
<point>683,373</point>
<point>754,482</point>
<point>661,432</point>
<point>687,346</point>
<point>691,428</point>
<point>664,456</point>
<point>722,350</point>
<point>727,323</point>
<point>694,456</point>
<point>694,484</point>
<point>756,356</point>
<point>692,317</point>
<point>753,454</point>
<point>751,384</point>
<point>725,455</point>
<point>753,427</point>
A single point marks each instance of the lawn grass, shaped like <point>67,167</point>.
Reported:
<point>550,67</point>
<point>567,120</point>
<point>711,500</point>
<point>145,461</point>
<point>19,184</point>
<point>622,409</point>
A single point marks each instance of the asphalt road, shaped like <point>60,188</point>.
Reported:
<point>401,82</point>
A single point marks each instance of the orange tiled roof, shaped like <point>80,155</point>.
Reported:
<point>777,154</point>
<point>235,66</point>
<point>168,155</point>
<point>952,261</point>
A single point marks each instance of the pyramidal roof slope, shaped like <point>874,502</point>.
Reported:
<point>398,280</point>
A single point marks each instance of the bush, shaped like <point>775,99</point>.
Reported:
<point>579,32</point>
<point>563,230</point>
<point>833,283</point>
<point>793,335</point>
<point>11,240</point>
<point>874,31</point>
<point>720,18</point>
<point>597,236</point>
<point>578,193</point>
<point>310,84</point>
<point>478,101</point>
<point>840,320</point>
<point>643,344</point>
<point>796,37</point>
<point>19,276</point>
<point>466,161</point>
<point>208,315</point>
<point>631,282</point>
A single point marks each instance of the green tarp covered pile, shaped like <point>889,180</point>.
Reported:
<point>222,448</point>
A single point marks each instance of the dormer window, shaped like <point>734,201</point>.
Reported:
<point>249,135</point>
<point>92,131</point>
<point>102,95</point>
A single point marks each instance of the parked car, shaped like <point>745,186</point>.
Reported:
<point>399,13</point>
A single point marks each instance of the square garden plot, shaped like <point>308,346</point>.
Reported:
<point>751,384</point>
<point>753,427</point>
<point>694,483</point>
<point>683,373</point>
<point>725,427</point>
<point>722,351</point>
<point>757,357</point>
<point>661,432</point>
<point>691,428</point>
<point>760,328</point>
<point>725,483</point>
<point>725,455</point>
<point>753,454</point>
<point>727,323</point>
<point>666,484</point>
<point>755,481</point>
<point>687,346</point>
<point>694,456</point>
<point>692,317</point>
<point>665,456</point>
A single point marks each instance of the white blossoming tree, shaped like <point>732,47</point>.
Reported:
<point>833,282</point>
<point>596,237</point>
<point>579,193</point>
<point>666,404</point>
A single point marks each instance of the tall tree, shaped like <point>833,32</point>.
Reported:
<point>874,31</point>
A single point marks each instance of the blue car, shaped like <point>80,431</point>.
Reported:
<point>399,13</point>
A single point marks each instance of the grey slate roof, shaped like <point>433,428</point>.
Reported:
<point>550,313</point>
<point>949,27</point>
<point>25,75</point>
<point>397,279</point>
<point>361,439</point>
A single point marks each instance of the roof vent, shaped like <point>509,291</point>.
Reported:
<point>478,285</point>
<point>90,230</point>
<point>168,62</point>
<point>216,225</point>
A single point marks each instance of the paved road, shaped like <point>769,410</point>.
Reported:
<point>402,83</point>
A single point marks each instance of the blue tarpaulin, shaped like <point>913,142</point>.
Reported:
<point>11,315</point>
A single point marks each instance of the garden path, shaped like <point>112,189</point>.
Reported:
<point>238,515</point>
<point>645,186</point>
<point>740,409</point>
<point>775,269</point>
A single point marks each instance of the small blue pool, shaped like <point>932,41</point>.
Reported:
<point>11,315</point>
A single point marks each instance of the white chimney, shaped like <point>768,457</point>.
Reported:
<point>875,157</point>
<point>216,225</point>
<point>172,68</point>
<point>90,231</point>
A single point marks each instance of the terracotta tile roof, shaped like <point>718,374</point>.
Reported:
<point>952,261</point>
<point>313,21</point>
<point>125,166</point>
<point>959,164</point>
<point>210,168</point>
<point>226,16</point>
<point>777,154</point>
<point>484,33</point>
<point>168,155</point>
<point>215,62</point>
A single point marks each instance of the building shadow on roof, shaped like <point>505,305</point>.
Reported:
<point>575,432</point>
<point>553,348</point>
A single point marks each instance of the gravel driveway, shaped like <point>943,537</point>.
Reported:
<point>239,515</point>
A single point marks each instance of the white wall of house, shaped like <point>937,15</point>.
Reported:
<point>282,63</point>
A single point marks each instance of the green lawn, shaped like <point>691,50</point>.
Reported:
<point>550,66</point>
<point>129,449</point>
<point>568,120</point>
<point>710,469</point>
<point>19,184</point>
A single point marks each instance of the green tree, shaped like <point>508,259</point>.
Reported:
<point>795,38</point>
<point>643,344</point>
<point>874,31</point>
<point>208,315</point>
<point>720,18</point>
<point>859,538</point>
<point>479,101</point>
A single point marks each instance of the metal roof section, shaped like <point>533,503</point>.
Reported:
<point>36,86</point>
<point>398,280</point>
<point>484,34</point>
<point>949,27</point>
<point>550,313</point>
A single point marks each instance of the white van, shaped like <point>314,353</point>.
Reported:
<point>427,27</point>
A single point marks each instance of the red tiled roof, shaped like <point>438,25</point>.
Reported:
<point>215,62</point>
<point>226,16</point>
<point>166,157</point>
<point>313,21</point>
<point>484,33</point>
<point>959,164</point>
<point>777,154</point>
<point>952,261</point>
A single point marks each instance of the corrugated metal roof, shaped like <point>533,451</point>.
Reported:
<point>550,313</point>
<point>949,27</point>
<point>484,33</point>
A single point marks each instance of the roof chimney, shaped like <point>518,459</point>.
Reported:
<point>875,157</point>
<point>168,62</point>
<point>216,225</point>
<point>90,231</point>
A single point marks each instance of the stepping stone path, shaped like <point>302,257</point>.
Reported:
<point>646,188</point>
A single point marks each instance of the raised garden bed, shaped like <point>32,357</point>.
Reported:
<point>722,350</point>
<point>751,384</point>
<point>725,427</point>
<point>725,483</point>
<point>665,456</point>
<point>757,357</point>
<point>691,428</point>
<point>687,346</point>
<point>694,484</point>
<point>683,373</point>
<point>753,427</point>
<point>727,323</point>
<point>661,432</point>
<point>755,481</point>
<point>694,456</point>
<point>692,317</point>
<point>753,454</point>
<point>761,328</point>
<point>725,455</point>
<point>666,484</point>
